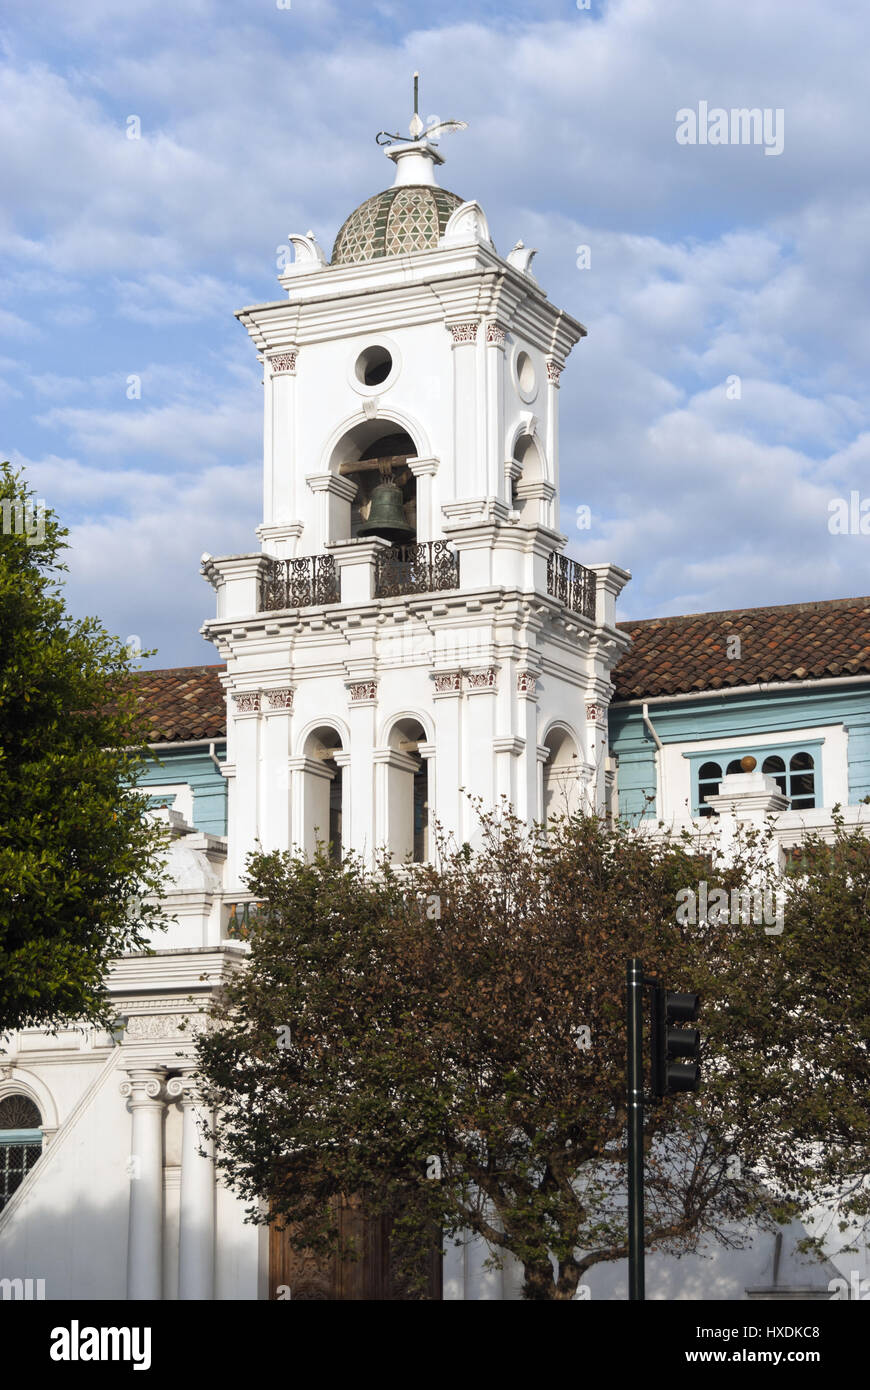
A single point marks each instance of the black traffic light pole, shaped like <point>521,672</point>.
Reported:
<point>668,1077</point>
<point>634,993</point>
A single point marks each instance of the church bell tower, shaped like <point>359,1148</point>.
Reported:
<point>410,634</point>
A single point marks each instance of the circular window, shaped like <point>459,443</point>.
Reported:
<point>525,372</point>
<point>374,365</point>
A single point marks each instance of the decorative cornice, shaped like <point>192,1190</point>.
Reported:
<point>284,362</point>
<point>465,332</point>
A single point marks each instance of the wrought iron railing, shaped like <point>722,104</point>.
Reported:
<point>299,583</point>
<point>416,569</point>
<point>572,584</point>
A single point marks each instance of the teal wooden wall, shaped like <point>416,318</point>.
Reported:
<point>194,766</point>
<point>727,716</point>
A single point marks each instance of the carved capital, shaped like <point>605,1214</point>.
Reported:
<point>144,1087</point>
<point>447,682</point>
<point>495,334</point>
<point>281,699</point>
<point>284,362</point>
<point>554,370</point>
<point>362,690</point>
<point>484,679</point>
<point>527,683</point>
<point>247,701</point>
<point>465,332</point>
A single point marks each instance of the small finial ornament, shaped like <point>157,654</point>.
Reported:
<point>419,133</point>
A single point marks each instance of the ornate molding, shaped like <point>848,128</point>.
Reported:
<point>463,332</point>
<point>596,714</point>
<point>527,683</point>
<point>247,701</point>
<point>150,1027</point>
<point>281,699</point>
<point>362,690</point>
<point>495,334</point>
<point>284,362</point>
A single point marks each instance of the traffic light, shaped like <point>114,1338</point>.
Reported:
<point>670,1042</point>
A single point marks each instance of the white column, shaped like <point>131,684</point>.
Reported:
<point>144,1090</point>
<point>362,708</point>
<point>469,468</point>
<point>481,1284</point>
<point>197,1215</point>
<point>280,505</point>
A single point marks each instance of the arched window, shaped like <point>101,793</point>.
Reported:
<point>20,1142</point>
<point>794,771</point>
<point>709,777</point>
<point>802,781</point>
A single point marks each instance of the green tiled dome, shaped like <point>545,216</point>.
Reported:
<point>409,217</point>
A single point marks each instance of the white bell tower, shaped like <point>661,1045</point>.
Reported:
<point>410,631</point>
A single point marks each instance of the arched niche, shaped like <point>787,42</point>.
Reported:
<point>562,774</point>
<point>406,792</point>
<point>531,492</point>
<point>323,776</point>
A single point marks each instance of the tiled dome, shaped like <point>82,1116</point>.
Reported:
<point>407,217</point>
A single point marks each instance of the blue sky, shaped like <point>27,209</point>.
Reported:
<point>128,257</point>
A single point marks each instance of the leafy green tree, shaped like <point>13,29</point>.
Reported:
<point>77,850</point>
<point>446,1043</point>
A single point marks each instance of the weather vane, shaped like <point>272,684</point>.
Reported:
<point>418,133</point>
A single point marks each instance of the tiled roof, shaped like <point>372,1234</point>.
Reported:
<point>183,704</point>
<point>798,641</point>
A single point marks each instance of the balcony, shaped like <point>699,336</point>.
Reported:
<point>572,584</point>
<point>416,569</point>
<point>301,583</point>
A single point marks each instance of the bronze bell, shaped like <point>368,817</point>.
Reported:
<point>387,516</point>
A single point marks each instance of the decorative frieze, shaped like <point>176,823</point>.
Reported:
<point>554,371</point>
<point>281,699</point>
<point>247,701</point>
<point>495,334</point>
<point>362,690</point>
<point>463,332</point>
<point>284,362</point>
<point>154,1026</point>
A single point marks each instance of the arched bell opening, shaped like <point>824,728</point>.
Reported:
<point>375,456</point>
<point>562,783</point>
<point>323,792</point>
<point>407,792</point>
